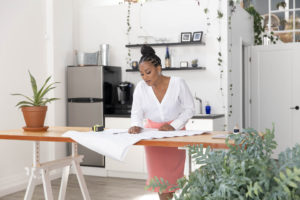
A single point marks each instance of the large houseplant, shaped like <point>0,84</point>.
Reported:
<point>34,108</point>
<point>245,172</point>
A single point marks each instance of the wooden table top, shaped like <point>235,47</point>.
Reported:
<point>54,134</point>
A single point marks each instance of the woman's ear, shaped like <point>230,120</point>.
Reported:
<point>159,69</point>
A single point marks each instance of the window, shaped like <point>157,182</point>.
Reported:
<point>285,19</point>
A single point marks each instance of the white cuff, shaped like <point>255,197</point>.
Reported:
<point>177,124</point>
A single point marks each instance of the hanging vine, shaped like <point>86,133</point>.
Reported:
<point>259,29</point>
<point>128,58</point>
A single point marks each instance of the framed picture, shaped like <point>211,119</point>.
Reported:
<point>197,36</point>
<point>186,37</point>
<point>184,64</point>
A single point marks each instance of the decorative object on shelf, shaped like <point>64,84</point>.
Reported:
<point>195,63</point>
<point>207,109</point>
<point>197,36</point>
<point>167,44</point>
<point>103,54</point>
<point>184,64</point>
<point>281,5</point>
<point>134,65</point>
<point>34,109</point>
<point>186,37</point>
<point>84,58</point>
<point>167,58</point>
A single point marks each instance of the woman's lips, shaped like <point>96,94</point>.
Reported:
<point>148,81</point>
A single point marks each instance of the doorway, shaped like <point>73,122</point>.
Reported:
<point>245,86</point>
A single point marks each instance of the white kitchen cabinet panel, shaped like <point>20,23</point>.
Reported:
<point>206,124</point>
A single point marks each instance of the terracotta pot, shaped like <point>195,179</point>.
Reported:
<point>34,116</point>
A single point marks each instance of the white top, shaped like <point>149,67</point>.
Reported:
<point>177,104</point>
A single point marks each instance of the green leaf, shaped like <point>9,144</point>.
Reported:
<point>24,103</point>
<point>33,84</point>
<point>38,95</point>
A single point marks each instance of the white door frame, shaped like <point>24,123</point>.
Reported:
<point>245,73</point>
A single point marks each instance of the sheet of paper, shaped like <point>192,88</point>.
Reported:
<point>114,143</point>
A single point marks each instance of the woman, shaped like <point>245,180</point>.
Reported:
<point>167,104</point>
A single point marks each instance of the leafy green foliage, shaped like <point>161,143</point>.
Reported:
<point>245,171</point>
<point>258,28</point>
<point>38,98</point>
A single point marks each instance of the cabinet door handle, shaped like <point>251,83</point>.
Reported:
<point>296,108</point>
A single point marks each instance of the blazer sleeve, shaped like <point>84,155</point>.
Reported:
<point>188,105</point>
<point>137,113</point>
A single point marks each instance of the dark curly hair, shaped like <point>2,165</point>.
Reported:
<point>148,55</point>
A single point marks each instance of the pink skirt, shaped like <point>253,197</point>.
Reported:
<point>164,162</point>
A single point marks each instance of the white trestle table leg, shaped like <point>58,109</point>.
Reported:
<point>47,185</point>
<point>81,181</point>
<point>32,172</point>
<point>31,185</point>
<point>64,183</point>
<point>45,168</point>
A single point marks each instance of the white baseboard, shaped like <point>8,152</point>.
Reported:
<point>92,171</point>
<point>102,172</point>
<point>131,175</point>
<point>18,182</point>
<point>14,183</point>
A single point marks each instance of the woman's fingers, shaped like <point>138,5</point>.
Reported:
<point>134,130</point>
<point>166,127</point>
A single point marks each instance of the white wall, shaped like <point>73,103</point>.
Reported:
<point>98,23</point>
<point>62,57</point>
<point>24,46</point>
<point>241,32</point>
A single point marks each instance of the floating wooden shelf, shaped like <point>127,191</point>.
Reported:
<point>173,69</point>
<point>167,44</point>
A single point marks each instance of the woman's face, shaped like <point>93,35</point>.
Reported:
<point>149,73</point>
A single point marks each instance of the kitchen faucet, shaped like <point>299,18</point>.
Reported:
<point>200,102</point>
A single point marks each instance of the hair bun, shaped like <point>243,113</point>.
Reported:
<point>147,50</point>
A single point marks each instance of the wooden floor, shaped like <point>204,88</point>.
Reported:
<point>100,188</point>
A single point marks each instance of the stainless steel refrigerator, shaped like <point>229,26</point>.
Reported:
<point>91,93</point>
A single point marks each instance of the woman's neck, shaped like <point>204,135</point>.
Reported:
<point>160,82</point>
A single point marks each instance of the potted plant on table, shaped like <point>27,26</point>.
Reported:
<point>34,108</point>
<point>281,5</point>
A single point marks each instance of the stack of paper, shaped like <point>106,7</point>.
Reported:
<point>114,143</point>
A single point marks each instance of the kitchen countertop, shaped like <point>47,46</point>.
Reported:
<point>197,116</point>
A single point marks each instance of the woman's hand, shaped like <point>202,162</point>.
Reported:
<point>166,127</point>
<point>134,130</point>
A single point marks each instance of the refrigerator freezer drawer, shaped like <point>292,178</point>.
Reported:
<point>85,82</point>
<point>85,114</point>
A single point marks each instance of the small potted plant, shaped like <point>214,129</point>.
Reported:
<point>281,5</point>
<point>34,108</point>
<point>195,63</point>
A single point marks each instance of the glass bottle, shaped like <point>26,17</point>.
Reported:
<point>167,59</point>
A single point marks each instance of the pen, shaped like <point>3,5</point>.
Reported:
<point>120,132</point>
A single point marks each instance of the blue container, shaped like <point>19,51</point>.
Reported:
<point>207,109</point>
